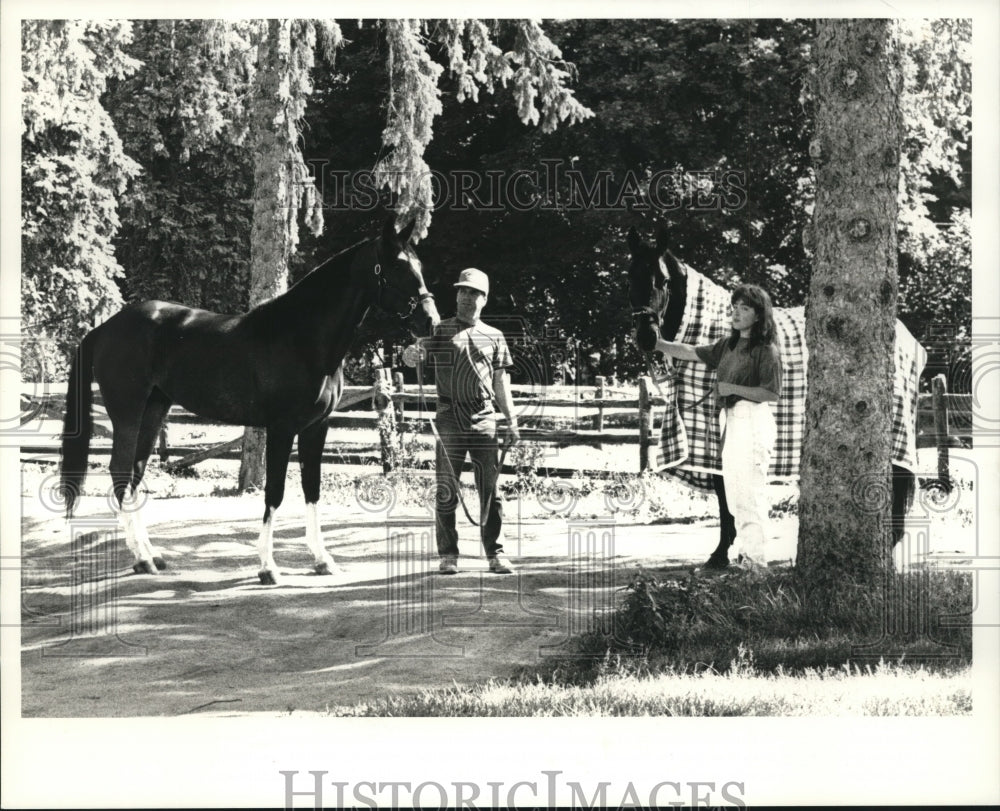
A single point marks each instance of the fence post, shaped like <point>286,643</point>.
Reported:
<point>398,387</point>
<point>164,442</point>
<point>600,393</point>
<point>386,421</point>
<point>645,423</point>
<point>941,428</point>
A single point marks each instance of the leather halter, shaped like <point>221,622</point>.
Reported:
<point>653,313</point>
<point>381,284</point>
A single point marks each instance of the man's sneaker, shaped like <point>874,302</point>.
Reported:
<point>449,564</point>
<point>499,565</point>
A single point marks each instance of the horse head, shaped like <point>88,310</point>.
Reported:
<point>398,285</point>
<point>656,289</point>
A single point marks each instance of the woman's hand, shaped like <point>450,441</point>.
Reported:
<point>675,350</point>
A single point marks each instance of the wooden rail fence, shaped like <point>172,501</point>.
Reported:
<point>550,414</point>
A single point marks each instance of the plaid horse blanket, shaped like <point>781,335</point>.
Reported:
<point>689,430</point>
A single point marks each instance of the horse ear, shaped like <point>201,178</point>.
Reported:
<point>662,239</point>
<point>404,235</point>
<point>634,243</point>
<point>389,229</point>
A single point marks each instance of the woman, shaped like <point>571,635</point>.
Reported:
<point>748,371</point>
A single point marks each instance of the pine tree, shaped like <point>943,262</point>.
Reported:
<point>283,187</point>
<point>183,116</point>
<point>844,512</point>
<point>73,169</point>
<point>282,183</point>
<point>534,68</point>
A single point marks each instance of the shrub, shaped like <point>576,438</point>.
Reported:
<point>686,621</point>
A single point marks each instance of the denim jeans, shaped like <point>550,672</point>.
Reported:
<point>474,436</point>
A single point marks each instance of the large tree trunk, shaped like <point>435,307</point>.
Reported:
<point>273,237</point>
<point>846,489</point>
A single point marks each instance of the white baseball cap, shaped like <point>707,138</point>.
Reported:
<point>474,278</point>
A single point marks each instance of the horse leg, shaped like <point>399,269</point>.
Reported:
<point>279,446</point>
<point>122,459</point>
<point>125,404</point>
<point>311,441</point>
<point>719,559</point>
<point>156,411</point>
<point>903,488</point>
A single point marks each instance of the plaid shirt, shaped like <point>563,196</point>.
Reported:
<point>689,437</point>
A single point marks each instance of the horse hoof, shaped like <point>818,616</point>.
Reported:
<point>143,567</point>
<point>267,578</point>
<point>716,564</point>
<point>323,568</point>
<point>160,563</point>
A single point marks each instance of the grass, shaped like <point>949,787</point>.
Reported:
<point>688,621</point>
<point>880,690</point>
<point>743,643</point>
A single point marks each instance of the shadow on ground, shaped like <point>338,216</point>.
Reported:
<point>205,637</point>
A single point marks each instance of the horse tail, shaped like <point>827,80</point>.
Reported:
<point>77,424</point>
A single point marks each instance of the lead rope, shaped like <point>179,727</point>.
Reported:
<point>671,375</point>
<point>503,455</point>
<point>671,372</point>
<point>439,444</point>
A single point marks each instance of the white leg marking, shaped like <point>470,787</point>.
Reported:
<point>128,524</point>
<point>314,539</point>
<point>148,551</point>
<point>265,545</point>
<point>136,536</point>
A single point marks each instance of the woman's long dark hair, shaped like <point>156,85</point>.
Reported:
<point>763,331</point>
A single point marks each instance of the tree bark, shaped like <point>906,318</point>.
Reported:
<point>846,487</point>
<point>273,237</point>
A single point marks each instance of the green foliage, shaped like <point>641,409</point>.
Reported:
<point>937,116</point>
<point>678,621</point>
<point>669,96</point>
<point>414,103</point>
<point>684,97</point>
<point>282,186</point>
<point>936,282</point>
<point>183,116</point>
<point>73,169</point>
<point>534,67</point>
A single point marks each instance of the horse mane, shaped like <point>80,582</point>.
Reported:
<point>311,290</point>
<point>349,251</point>
<point>677,287</point>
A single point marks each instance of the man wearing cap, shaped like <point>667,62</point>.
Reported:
<point>470,361</point>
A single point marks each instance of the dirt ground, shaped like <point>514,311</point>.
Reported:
<point>204,637</point>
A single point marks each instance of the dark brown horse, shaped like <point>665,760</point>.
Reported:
<point>279,367</point>
<point>658,293</point>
